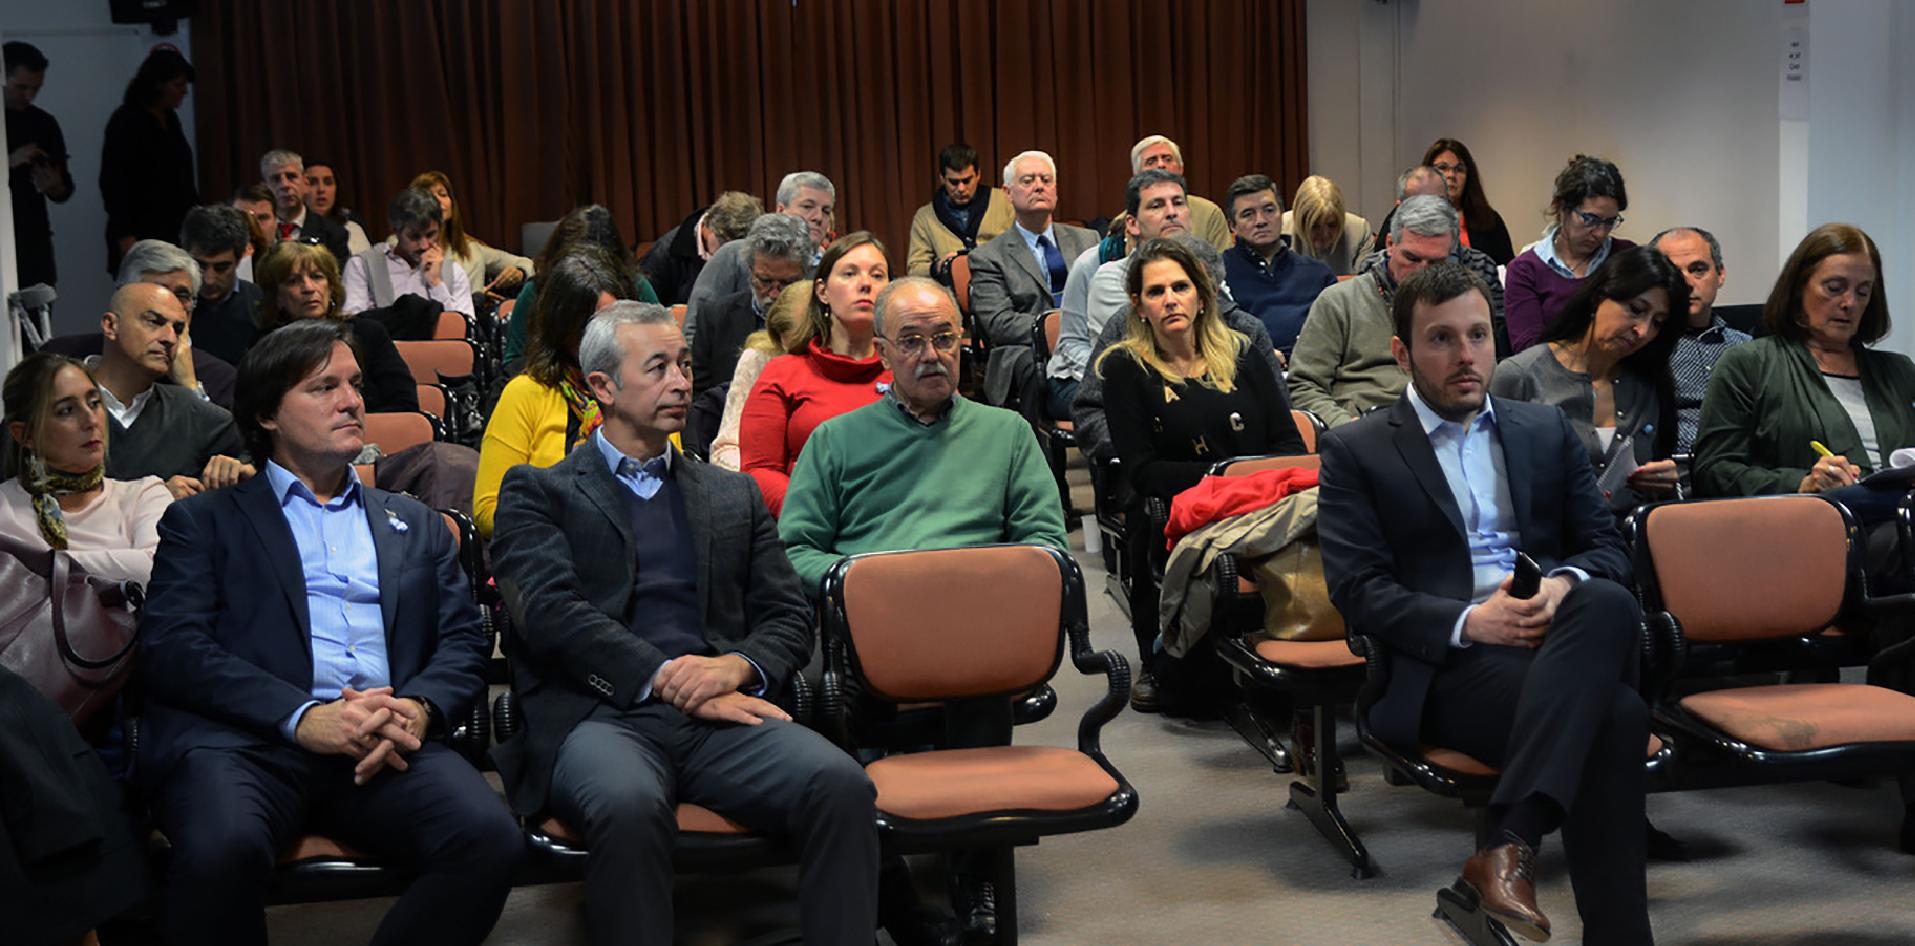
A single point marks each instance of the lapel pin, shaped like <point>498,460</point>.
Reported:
<point>393,520</point>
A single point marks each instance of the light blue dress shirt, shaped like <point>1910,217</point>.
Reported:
<point>646,479</point>
<point>1030,242</point>
<point>341,570</point>
<point>1546,251</point>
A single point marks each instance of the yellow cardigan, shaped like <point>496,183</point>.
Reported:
<point>527,426</point>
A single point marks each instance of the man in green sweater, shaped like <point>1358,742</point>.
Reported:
<point>1342,365</point>
<point>922,467</point>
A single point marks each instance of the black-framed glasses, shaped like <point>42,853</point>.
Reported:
<point>913,345</point>
<point>1596,222</point>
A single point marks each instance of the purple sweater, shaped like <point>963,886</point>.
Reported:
<point>1533,293</point>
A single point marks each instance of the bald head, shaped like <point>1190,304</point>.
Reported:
<point>916,295</point>
<point>142,327</point>
<point>916,321</point>
<point>1420,181</point>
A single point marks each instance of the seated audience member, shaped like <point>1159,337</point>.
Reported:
<point>322,198</point>
<point>1154,207</point>
<point>256,201</point>
<point>837,370</point>
<point>1342,364</point>
<point>251,739</point>
<point>1542,688</point>
<point>788,330</point>
<point>592,226</point>
<point>1019,276</point>
<point>1584,211</point>
<point>1319,227</point>
<point>547,410</point>
<point>300,281</point>
<point>1705,337</point>
<point>159,263</point>
<point>1181,392</point>
<point>487,268</point>
<point>776,248</point>
<point>1207,220</point>
<point>807,195</point>
<point>1414,184</point>
<point>284,173</point>
<point>961,215</point>
<point>226,318</point>
<point>1418,180</point>
<point>1483,227</point>
<point>643,687</point>
<point>680,253</point>
<point>1815,377</point>
<point>62,498</point>
<point>413,263</point>
<point>1605,362</point>
<point>154,429</point>
<point>1269,280</point>
<point>1087,411</point>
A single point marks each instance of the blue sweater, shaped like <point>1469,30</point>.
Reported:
<point>1280,293</point>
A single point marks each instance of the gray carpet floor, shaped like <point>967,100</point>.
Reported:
<point>1213,858</point>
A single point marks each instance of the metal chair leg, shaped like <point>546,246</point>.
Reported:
<point>1261,736</point>
<point>1006,884</point>
<point>1316,795</point>
<point>1458,906</point>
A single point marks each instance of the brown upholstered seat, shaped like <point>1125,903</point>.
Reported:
<point>1463,763</point>
<point>1064,425</point>
<point>1308,461</point>
<point>1804,716</point>
<point>956,782</point>
<point>439,358</point>
<point>1310,654</point>
<point>1696,544</point>
<point>312,846</point>
<point>394,431</point>
<point>692,819</point>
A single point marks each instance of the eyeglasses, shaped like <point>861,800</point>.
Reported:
<point>913,345</point>
<point>1448,169</point>
<point>768,286</point>
<point>1595,222</point>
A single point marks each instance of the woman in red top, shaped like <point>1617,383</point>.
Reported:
<point>833,367</point>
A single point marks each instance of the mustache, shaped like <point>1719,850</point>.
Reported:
<point>935,369</point>
<point>1466,376</point>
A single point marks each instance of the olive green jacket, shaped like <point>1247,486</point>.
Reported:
<point>1766,400</point>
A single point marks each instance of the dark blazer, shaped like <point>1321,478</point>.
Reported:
<point>673,262</point>
<point>563,549</point>
<point>723,328</point>
<point>389,385</point>
<point>226,641</point>
<point>1008,292</point>
<point>331,234</point>
<point>1394,552</point>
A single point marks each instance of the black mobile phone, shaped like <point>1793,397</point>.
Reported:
<point>1529,577</point>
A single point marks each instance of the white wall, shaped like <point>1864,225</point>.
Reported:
<point>91,61</point>
<point>1684,97</point>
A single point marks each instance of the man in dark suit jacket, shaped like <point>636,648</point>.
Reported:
<point>776,250</point>
<point>654,609</point>
<point>303,638</point>
<point>1423,510</point>
<point>1020,275</point>
<point>285,174</point>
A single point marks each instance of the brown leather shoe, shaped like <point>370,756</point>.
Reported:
<point>1504,878</point>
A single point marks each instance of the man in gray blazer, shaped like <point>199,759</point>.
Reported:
<point>1019,276</point>
<point>655,609</point>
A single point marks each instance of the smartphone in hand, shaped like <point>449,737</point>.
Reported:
<point>1528,579</point>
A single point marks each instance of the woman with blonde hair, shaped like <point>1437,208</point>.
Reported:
<point>301,281</point>
<point>491,269</point>
<point>1319,227</point>
<point>788,328</point>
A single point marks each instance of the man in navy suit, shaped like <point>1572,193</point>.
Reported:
<point>304,638</point>
<point>1422,511</point>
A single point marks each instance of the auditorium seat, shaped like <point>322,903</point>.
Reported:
<point>1057,436</point>
<point>394,431</point>
<point>439,359</point>
<point>1309,427</point>
<point>452,324</point>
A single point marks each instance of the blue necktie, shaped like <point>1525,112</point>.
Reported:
<point>1053,261</point>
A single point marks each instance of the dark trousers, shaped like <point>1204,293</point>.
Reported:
<point>229,812</point>
<point>1565,721</point>
<point>620,774</point>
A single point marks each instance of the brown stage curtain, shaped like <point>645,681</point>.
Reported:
<point>651,108</point>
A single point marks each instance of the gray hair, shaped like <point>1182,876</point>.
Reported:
<point>778,236</point>
<point>215,227</point>
<point>1422,170</point>
<point>599,348</point>
<point>158,257</point>
<point>276,158</point>
<point>1137,151</point>
<point>1010,167</point>
<point>1715,246</point>
<point>1425,215</point>
<point>414,207</point>
<point>1205,254</point>
<point>918,282</point>
<point>788,188</point>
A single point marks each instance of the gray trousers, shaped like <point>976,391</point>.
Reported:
<point>620,774</point>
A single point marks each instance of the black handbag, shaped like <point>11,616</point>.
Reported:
<point>69,634</point>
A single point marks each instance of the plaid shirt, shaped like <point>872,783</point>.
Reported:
<point>1694,358</point>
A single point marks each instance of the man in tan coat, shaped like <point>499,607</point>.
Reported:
<point>961,215</point>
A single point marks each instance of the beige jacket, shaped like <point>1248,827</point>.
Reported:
<point>932,241</point>
<point>1283,532</point>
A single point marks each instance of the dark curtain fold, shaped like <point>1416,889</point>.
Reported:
<point>532,107</point>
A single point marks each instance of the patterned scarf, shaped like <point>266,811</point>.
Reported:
<point>47,486</point>
<point>582,406</point>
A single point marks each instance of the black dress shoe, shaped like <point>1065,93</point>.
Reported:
<point>925,929</point>
<point>1660,845</point>
<point>1143,693</point>
<point>976,907</point>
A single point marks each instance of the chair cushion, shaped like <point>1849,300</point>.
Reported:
<point>1065,425</point>
<point>692,819</point>
<point>1464,764</point>
<point>1801,716</point>
<point>1312,654</point>
<point>313,846</point>
<point>948,783</point>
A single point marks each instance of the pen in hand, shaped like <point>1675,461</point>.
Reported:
<point>1842,472</point>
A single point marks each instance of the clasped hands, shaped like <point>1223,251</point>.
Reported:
<point>707,688</point>
<point>1516,622</point>
<point>372,726</point>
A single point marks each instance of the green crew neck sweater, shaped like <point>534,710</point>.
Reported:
<point>876,480</point>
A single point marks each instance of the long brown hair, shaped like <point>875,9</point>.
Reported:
<point>452,228</point>
<point>1474,202</point>
<point>1782,314</point>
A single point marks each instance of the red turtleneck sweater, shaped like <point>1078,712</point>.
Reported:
<point>793,396</point>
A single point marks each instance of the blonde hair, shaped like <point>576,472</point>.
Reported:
<point>282,261</point>
<point>1319,200</point>
<point>788,327</point>
<point>1217,344</point>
